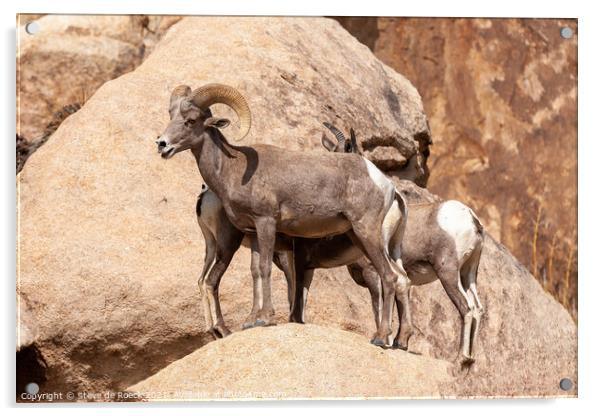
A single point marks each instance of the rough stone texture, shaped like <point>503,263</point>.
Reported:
<point>24,18</point>
<point>71,56</point>
<point>27,329</point>
<point>295,361</point>
<point>501,96</point>
<point>108,244</point>
<point>156,27</point>
<point>26,148</point>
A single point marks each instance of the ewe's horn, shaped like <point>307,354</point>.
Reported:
<point>353,139</point>
<point>210,94</point>
<point>339,135</point>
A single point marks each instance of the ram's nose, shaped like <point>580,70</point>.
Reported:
<point>160,144</point>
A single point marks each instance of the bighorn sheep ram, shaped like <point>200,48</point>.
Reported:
<point>443,240</point>
<point>262,193</point>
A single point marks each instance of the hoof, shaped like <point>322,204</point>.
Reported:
<point>466,361</point>
<point>378,342</point>
<point>223,332</point>
<point>463,365</point>
<point>260,322</point>
<point>398,346</point>
<point>248,325</point>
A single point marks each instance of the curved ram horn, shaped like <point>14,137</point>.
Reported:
<point>338,134</point>
<point>210,94</point>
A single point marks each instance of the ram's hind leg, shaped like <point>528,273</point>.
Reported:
<point>406,327</point>
<point>391,276</point>
<point>402,300</point>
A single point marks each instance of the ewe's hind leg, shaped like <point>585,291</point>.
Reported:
<point>477,314</point>
<point>210,287</point>
<point>285,261</point>
<point>469,280</point>
<point>210,249</point>
<point>304,278</point>
<point>227,245</point>
<point>366,276</point>
<point>451,280</point>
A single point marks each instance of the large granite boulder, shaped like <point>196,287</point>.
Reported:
<point>109,247</point>
<point>294,361</point>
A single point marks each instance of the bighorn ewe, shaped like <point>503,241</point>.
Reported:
<point>262,193</point>
<point>429,249</point>
<point>442,240</point>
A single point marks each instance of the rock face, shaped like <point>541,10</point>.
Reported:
<point>109,247</point>
<point>501,96</point>
<point>26,148</point>
<point>70,57</point>
<point>295,361</point>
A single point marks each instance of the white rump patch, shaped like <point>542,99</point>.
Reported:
<point>456,219</point>
<point>381,181</point>
<point>393,214</point>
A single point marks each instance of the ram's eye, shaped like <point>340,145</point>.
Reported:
<point>189,123</point>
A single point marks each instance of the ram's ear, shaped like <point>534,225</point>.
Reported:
<point>328,144</point>
<point>218,123</point>
<point>181,91</point>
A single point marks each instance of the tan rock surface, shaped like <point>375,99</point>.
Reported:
<point>108,243</point>
<point>501,96</point>
<point>70,56</point>
<point>296,361</point>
